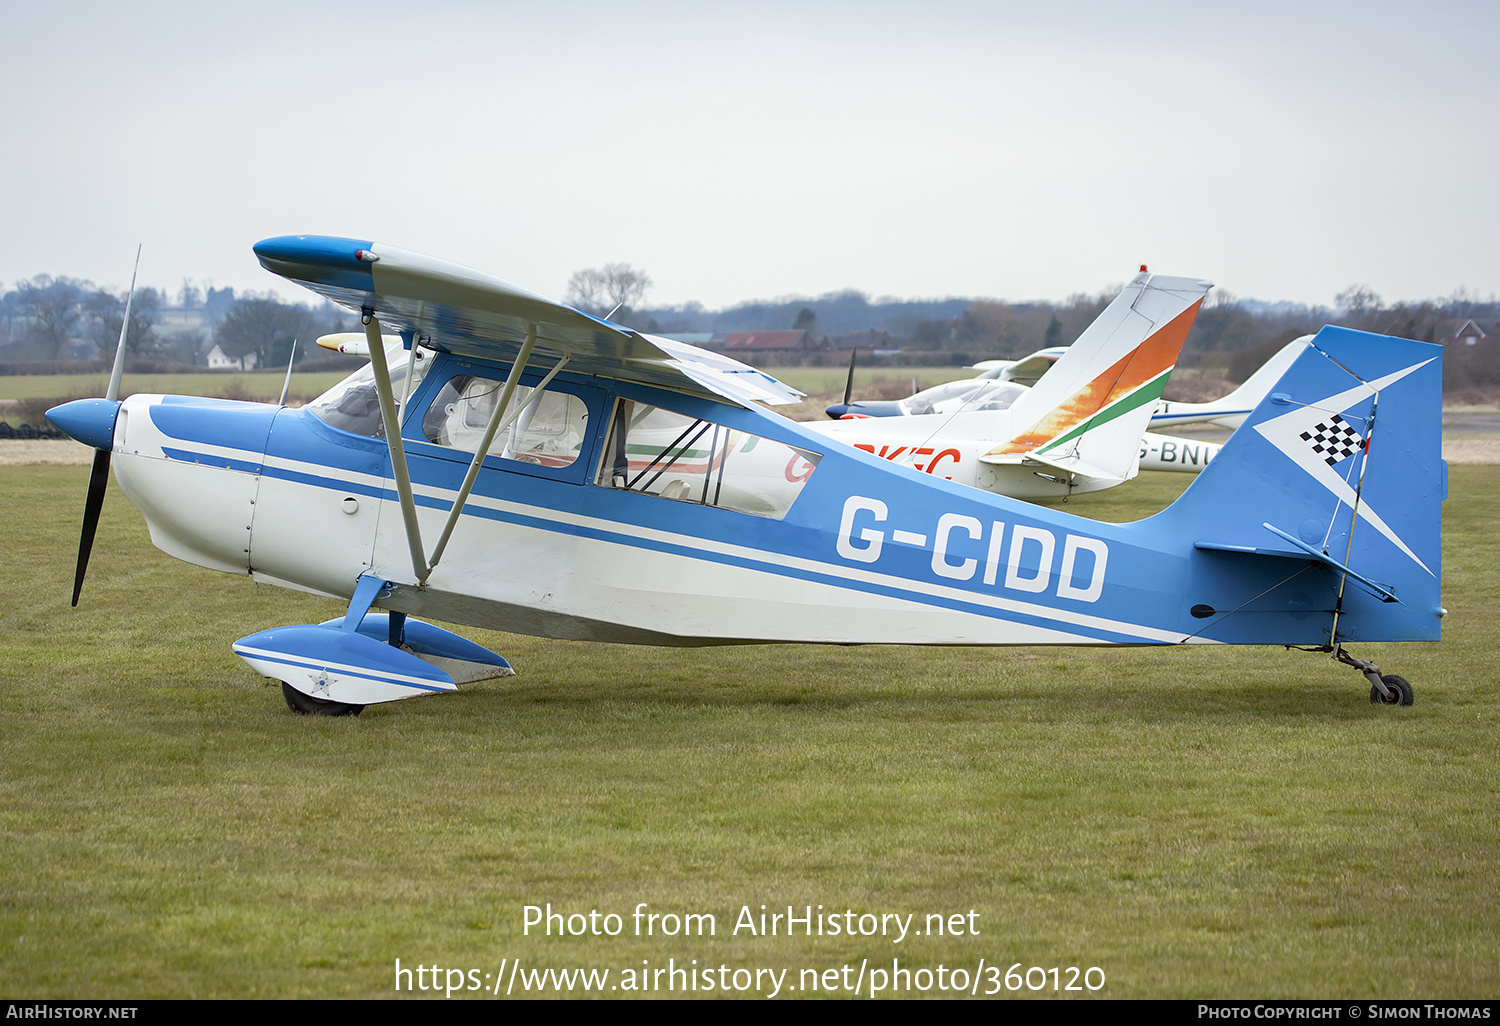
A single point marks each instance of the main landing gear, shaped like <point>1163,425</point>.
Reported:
<point>306,705</point>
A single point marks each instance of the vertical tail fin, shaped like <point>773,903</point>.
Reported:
<point>1319,520</point>
<point>1232,409</point>
<point>1087,414</point>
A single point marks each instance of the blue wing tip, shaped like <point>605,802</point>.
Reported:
<point>314,258</point>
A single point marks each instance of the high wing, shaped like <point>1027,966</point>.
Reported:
<point>457,309</point>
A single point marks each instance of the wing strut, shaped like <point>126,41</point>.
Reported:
<point>500,418</point>
<point>394,445</point>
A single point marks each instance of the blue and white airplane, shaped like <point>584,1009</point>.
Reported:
<point>543,471</point>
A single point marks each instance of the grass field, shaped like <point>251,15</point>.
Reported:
<point>1194,822</point>
<point>264,385</point>
<point>830,380</point>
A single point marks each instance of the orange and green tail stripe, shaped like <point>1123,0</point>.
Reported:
<point>1136,378</point>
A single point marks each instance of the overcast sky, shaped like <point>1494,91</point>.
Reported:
<point>1021,151</point>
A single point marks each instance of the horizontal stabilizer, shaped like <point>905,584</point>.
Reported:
<point>1066,464</point>
<point>1304,551</point>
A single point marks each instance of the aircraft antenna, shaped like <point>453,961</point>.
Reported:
<point>287,384</point>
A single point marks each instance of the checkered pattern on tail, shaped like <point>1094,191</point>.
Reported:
<point>1334,440</point>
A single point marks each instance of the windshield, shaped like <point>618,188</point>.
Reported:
<point>352,405</point>
<point>990,395</point>
<point>923,401</point>
<point>969,395</point>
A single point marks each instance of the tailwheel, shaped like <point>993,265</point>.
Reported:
<point>306,705</point>
<point>1385,689</point>
<point>1398,691</point>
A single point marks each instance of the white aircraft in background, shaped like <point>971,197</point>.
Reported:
<point>996,386</point>
<point>1024,371</point>
<point>1078,429</point>
<point>1232,409</point>
<point>1001,383</point>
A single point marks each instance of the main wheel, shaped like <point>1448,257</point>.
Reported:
<point>307,705</point>
<point>1400,688</point>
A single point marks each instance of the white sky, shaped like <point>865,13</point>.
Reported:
<point>1283,150</point>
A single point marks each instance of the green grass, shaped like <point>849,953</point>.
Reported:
<point>830,380</point>
<point>1196,822</point>
<point>265,385</point>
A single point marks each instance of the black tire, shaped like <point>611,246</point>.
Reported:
<point>1400,688</point>
<point>307,705</point>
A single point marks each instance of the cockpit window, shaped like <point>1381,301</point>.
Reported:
<point>549,430</point>
<point>658,452</point>
<point>352,405</point>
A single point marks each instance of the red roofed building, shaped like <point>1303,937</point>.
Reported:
<point>770,342</point>
<point>870,340</point>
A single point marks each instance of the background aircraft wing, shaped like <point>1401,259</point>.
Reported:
<point>460,310</point>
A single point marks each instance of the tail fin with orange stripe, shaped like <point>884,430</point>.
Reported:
<point>1087,414</point>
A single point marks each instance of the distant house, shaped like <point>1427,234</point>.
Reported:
<point>181,316</point>
<point>218,361</point>
<point>1470,332</point>
<point>764,343</point>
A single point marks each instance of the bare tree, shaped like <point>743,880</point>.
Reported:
<point>52,307</point>
<point>601,290</point>
<point>189,295</point>
<point>265,326</point>
<point>586,290</point>
<point>103,312</point>
<point>1358,300</point>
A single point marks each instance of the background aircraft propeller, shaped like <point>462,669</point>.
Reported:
<point>837,410</point>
